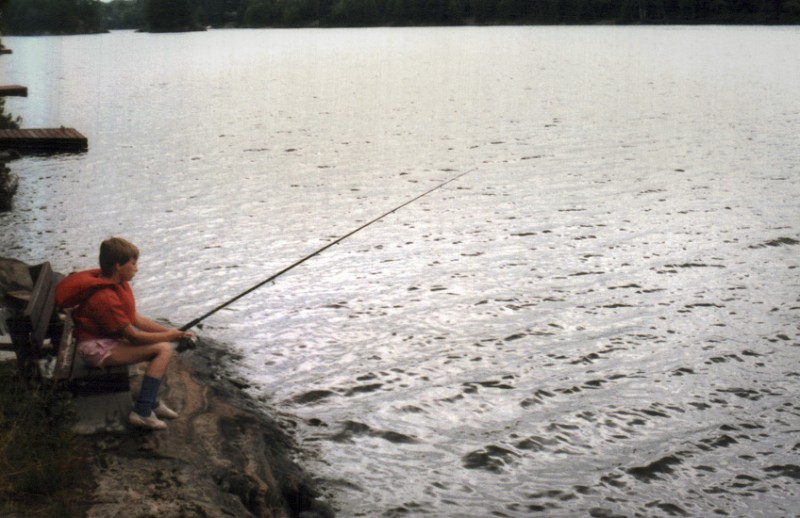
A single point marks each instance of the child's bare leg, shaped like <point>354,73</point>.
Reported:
<point>157,355</point>
<point>158,365</point>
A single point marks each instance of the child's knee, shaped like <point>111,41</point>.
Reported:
<point>165,349</point>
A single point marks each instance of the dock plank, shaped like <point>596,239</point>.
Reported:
<point>43,140</point>
<point>13,90</point>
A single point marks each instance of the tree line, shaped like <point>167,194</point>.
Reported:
<point>52,16</point>
<point>87,16</point>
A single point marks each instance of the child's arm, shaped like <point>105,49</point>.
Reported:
<point>145,331</point>
<point>145,324</point>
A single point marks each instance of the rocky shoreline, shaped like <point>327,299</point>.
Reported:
<point>221,457</point>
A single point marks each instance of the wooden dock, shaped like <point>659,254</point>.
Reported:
<point>47,140</point>
<point>16,90</point>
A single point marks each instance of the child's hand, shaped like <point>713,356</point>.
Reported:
<point>187,342</point>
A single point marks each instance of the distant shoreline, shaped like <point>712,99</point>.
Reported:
<point>721,22</point>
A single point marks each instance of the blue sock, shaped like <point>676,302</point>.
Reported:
<point>147,396</point>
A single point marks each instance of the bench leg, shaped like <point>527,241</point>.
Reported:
<point>27,367</point>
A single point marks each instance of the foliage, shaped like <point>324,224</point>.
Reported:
<point>221,13</point>
<point>40,462</point>
<point>7,121</point>
<point>53,17</point>
<point>125,14</point>
<point>170,15</point>
<point>260,13</point>
<point>69,16</point>
<point>300,13</point>
<point>8,187</point>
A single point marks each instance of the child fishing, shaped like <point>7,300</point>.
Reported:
<point>110,332</point>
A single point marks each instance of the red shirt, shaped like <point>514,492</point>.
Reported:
<point>105,313</point>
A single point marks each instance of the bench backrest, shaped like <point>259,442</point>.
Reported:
<point>40,308</point>
<point>33,326</point>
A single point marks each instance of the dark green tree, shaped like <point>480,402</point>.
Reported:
<point>482,10</point>
<point>296,13</point>
<point>125,14</point>
<point>53,17</point>
<point>81,16</point>
<point>355,13</point>
<point>3,9</point>
<point>171,16</point>
<point>261,13</point>
<point>221,13</point>
<point>7,120</point>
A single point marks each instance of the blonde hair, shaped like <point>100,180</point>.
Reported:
<point>116,250</point>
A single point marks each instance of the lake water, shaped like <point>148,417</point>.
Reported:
<point>601,318</point>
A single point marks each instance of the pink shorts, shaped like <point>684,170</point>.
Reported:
<point>95,352</point>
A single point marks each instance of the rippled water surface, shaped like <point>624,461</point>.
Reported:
<point>600,318</point>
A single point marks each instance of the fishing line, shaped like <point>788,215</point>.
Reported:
<point>228,302</point>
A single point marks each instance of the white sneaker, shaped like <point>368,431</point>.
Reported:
<point>150,422</point>
<point>165,412</point>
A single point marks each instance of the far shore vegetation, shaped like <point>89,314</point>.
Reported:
<point>32,17</point>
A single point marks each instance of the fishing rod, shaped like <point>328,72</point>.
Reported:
<point>228,302</point>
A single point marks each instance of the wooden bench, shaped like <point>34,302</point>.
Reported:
<point>43,341</point>
<point>32,332</point>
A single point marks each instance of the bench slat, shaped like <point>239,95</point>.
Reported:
<point>66,351</point>
<point>39,310</point>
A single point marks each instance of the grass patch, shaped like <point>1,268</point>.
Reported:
<point>43,471</point>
